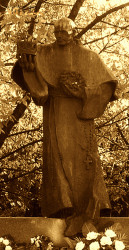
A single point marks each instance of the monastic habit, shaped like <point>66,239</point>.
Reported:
<point>72,174</point>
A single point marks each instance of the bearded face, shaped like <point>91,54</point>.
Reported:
<point>64,31</point>
<point>63,37</point>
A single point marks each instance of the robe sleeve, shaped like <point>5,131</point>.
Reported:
<point>96,99</point>
<point>37,86</point>
<point>17,76</point>
<point>32,82</point>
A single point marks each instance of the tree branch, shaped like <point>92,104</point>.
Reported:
<point>101,38</point>
<point>117,53</point>
<point>113,150</point>
<point>16,115</point>
<point>110,124</point>
<point>9,64</point>
<point>9,59</point>
<point>26,5</point>
<point>75,9</point>
<point>37,7</point>
<point>21,175</point>
<point>112,141</point>
<point>99,18</point>
<point>17,195</point>
<point>122,135</point>
<point>3,6</point>
<point>103,124</point>
<point>14,169</point>
<point>116,26</point>
<point>26,131</point>
<point>106,47</point>
<point>24,146</point>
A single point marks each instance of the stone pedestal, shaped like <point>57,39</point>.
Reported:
<point>23,228</point>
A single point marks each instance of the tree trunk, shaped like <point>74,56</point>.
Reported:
<point>75,9</point>
<point>20,108</point>
<point>3,6</point>
<point>16,115</point>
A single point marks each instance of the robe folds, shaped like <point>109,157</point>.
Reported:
<point>72,174</point>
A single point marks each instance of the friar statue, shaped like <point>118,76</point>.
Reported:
<point>74,87</point>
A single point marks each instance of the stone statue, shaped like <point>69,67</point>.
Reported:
<point>74,87</point>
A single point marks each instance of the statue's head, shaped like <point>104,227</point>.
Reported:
<point>64,30</point>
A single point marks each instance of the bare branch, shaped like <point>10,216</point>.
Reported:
<point>103,124</point>
<point>112,141</point>
<point>75,9</point>
<point>117,53</point>
<point>15,193</point>
<point>109,151</point>
<point>26,131</point>
<point>99,18</point>
<point>101,38</point>
<point>3,6</point>
<point>37,7</point>
<point>21,175</point>
<point>110,124</point>
<point>122,135</point>
<point>14,169</point>
<point>9,64</point>
<point>106,47</point>
<point>26,5</point>
<point>117,26</point>
<point>9,59</point>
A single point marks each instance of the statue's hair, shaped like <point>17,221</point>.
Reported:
<point>65,23</point>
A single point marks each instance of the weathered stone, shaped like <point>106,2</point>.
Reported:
<point>74,87</point>
<point>22,229</point>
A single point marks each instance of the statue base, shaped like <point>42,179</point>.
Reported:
<point>24,228</point>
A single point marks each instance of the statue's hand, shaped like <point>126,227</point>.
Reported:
<point>75,90</point>
<point>73,83</point>
<point>27,62</point>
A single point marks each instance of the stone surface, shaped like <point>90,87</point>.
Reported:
<point>74,87</point>
<point>123,223</point>
<point>23,228</point>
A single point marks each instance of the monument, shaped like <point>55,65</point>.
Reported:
<point>74,87</point>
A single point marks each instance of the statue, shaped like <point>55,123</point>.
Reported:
<point>74,87</point>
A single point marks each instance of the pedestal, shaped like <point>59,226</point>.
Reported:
<point>23,228</point>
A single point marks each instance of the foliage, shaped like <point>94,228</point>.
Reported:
<point>113,140</point>
<point>21,153</point>
<point>105,240</point>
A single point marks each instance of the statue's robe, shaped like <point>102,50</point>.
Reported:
<point>72,174</point>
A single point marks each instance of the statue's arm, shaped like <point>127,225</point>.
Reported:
<point>37,86</point>
<point>17,76</point>
<point>31,81</point>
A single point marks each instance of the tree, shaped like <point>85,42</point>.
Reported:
<point>3,6</point>
<point>102,28</point>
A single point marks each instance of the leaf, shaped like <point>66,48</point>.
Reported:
<point>88,227</point>
<point>117,227</point>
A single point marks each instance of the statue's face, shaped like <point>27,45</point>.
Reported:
<point>63,37</point>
